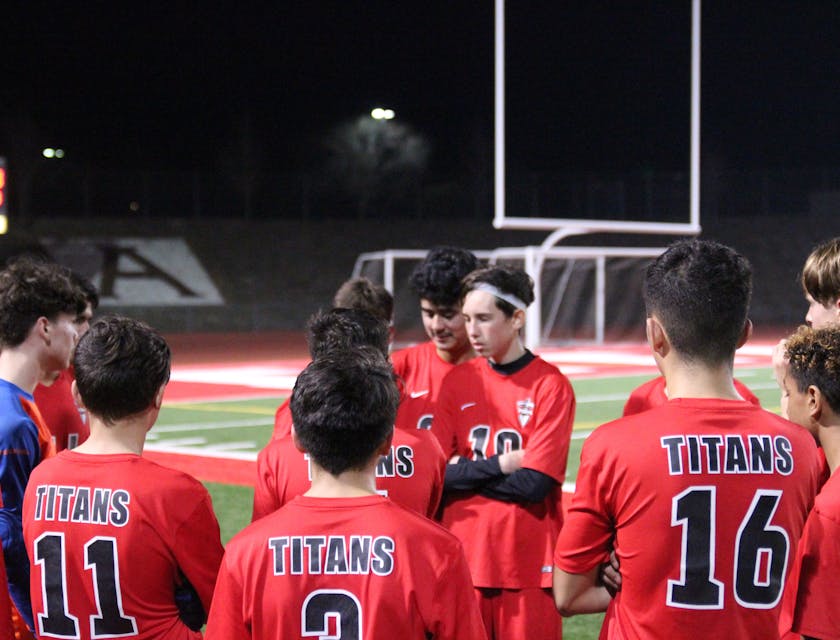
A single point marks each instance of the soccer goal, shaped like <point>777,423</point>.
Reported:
<point>582,294</point>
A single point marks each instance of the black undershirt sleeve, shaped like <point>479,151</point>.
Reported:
<point>525,485</point>
<point>470,475</point>
<point>486,478</point>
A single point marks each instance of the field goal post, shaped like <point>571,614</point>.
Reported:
<point>584,267</point>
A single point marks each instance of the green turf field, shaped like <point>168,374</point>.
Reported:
<point>245,426</point>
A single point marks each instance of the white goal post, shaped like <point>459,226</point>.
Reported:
<point>533,259</point>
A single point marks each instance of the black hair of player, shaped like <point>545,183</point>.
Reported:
<point>361,293</point>
<point>813,357</point>
<point>438,277</point>
<point>343,408</point>
<point>87,288</point>
<point>31,288</point>
<point>339,329</point>
<point>507,280</point>
<point>120,366</point>
<point>700,291</point>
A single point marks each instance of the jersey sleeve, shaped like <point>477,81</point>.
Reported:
<point>816,613</point>
<point>439,470</point>
<point>226,620</point>
<point>198,549</point>
<point>282,421</point>
<point>19,453</point>
<point>444,423</point>
<point>265,489</point>
<point>457,615</point>
<point>587,531</point>
<point>547,449</point>
<point>641,398</point>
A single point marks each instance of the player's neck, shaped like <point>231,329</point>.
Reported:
<point>19,366</point>
<point>124,436</point>
<point>684,380</point>
<point>829,435</point>
<point>353,483</point>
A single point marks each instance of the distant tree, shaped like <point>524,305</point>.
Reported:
<point>378,163</point>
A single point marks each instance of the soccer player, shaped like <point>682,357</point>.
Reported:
<point>812,385</point>
<point>437,282</point>
<point>508,418</point>
<point>38,306</point>
<point>111,536</point>
<point>356,293</point>
<point>342,561</point>
<point>412,472</point>
<point>66,421</point>
<point>821,284</point>
<point>703,498</point>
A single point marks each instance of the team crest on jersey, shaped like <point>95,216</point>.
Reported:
<point>524,409</point>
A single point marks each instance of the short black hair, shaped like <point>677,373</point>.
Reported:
<point>338,329</point>
<point>361,293</point>
<point>89,292</point>
<point>343,408</point>
<point>814,359</point>
<point>507,280</point>
<point>438,278</point>
<point>700,291</point>
<point>31,288</point>
<point>120,365</point>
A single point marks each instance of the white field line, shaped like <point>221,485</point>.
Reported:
<point>211,426</point>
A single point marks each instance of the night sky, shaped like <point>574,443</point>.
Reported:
<point>591,85</point>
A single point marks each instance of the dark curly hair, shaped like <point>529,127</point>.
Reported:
<point>438,278</point>
<point>814,359</point>
<point>31,288</point>
<point>337,329</point>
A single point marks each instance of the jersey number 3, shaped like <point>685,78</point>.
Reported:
<point>760,554</point>
<point>101,559</point>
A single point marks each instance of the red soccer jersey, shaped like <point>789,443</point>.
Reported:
<point>421,372</point>
<point>810,601</point>
<point>109,537</point>
<point>282,421</point>
<point>411,475</point>
<point>704,501</point>
<point>66,420</point>
<point>652,394</point>
<point>482,413</point>
<point>348,568</point>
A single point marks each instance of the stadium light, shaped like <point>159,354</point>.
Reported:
<point>51,153</point>
<point>382,114</point>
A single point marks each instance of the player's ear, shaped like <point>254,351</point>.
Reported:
<point>77,397</point>
<point>159,396</point>
<point>518,319</point>
<point>746,333</point>
<point>656,336</point>
<point>815,402</point>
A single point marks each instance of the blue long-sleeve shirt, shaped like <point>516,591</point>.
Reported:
<point>20,451</point>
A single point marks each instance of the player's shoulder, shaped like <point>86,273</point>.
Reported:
<point>173,483</point>
<point>408,355</point>
<point>419,439</point>
<point>827,502</point>
<point>650,386</point>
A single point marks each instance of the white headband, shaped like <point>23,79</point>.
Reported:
<point>501,295</point>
